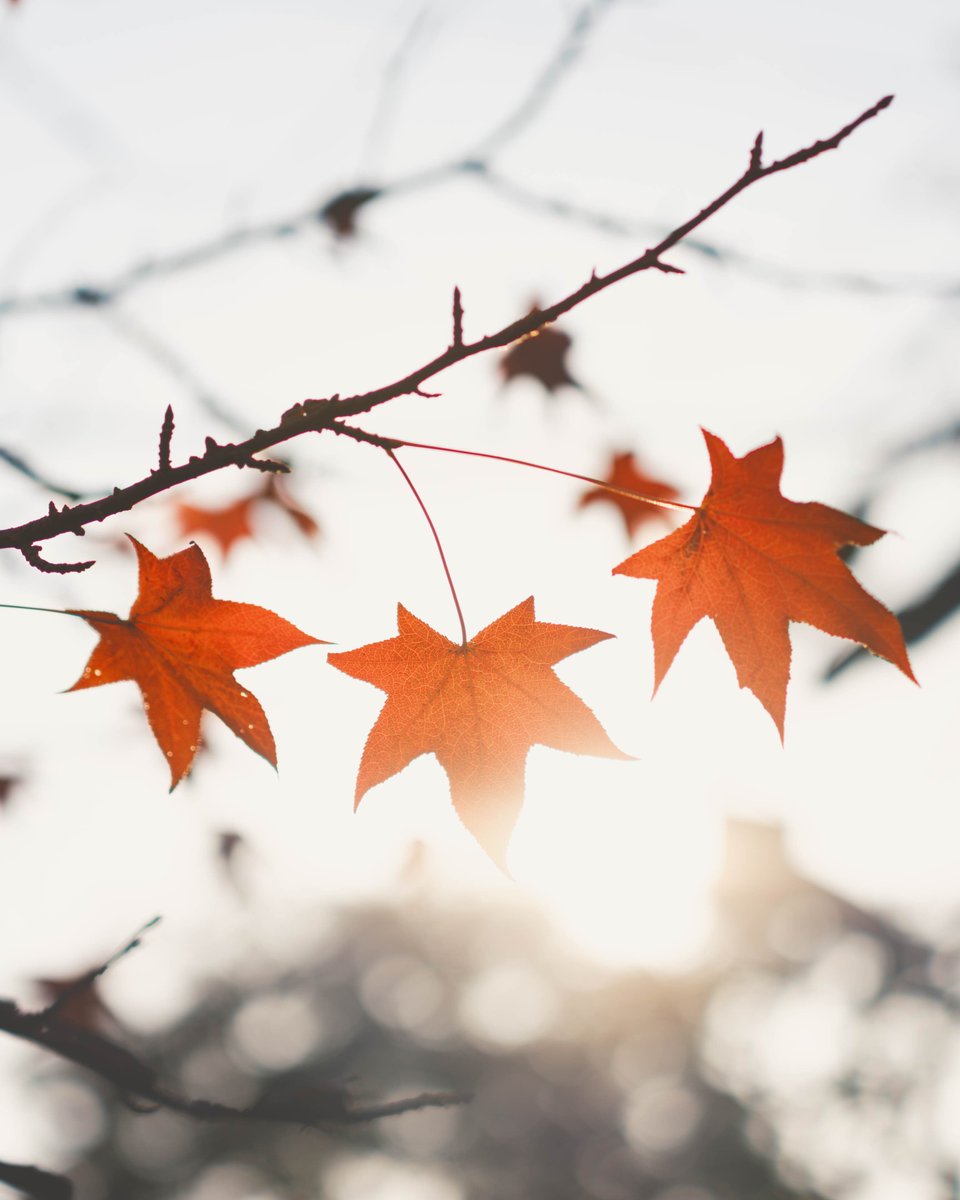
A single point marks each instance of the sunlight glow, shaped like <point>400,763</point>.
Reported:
<point>627,880</point>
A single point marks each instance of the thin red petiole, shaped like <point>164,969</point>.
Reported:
<point>63,612</point>
<point>436,538</point>
<point>522,462</point>
<point>100,618</point>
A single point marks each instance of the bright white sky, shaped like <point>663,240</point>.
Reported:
<point>129,130</point>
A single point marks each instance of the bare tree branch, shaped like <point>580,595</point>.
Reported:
<point>318,415</point>
<point>14,460</point>
<point>566,54</point>
<point>87,980</point>
<point>41,1185</point>
<point>726,256</point>
<point>138,1081</point>
<point>386,102</point>
<point>328,211</point>
<point>148,343</point>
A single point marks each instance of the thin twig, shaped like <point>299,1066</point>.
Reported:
<point>20,464</point>
<point>385,106</point>
<point>563,58</point>
<point>86,981</point>
<point>780,275</point>
<point>166,436</point>
<point>136,1079</point>
<point>34,558</point>
<point>457,319</point>
<point>163,355</point>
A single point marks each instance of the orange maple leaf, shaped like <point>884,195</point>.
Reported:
<point>625,472</point>
<point>225,526</point>
<point>181,647</point>
<point>479,708</point>
<point>232,524</point>
<point>753,561</point>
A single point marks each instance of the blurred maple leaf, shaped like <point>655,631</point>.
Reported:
<point>78,1002</point>
<point>542,355</point>
<point>340,213</point>
<point>479,708</point>
<point>225,526</point>
<point>8,785</point>
<point>231,524</point>
<point>752,561</point>
<point>275,492</point>
<point>231,849</point>
<point>181,647</point>
<point>625,472</point>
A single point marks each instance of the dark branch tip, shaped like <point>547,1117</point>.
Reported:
<point>33,557</point>
<point>756,154</point>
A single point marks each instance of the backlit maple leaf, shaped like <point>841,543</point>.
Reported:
<point>181,647</point>
<point>625,472</point>
<point>753,561</point>
<point>479,708</point>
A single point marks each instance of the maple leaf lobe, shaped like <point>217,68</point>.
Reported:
<point>181,646</point>
<point>752,561</point>
<point>478,707</point>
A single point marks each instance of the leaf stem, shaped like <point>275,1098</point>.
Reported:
<point>436,538</point>
<point>522,462</point>
<point>64,612</point>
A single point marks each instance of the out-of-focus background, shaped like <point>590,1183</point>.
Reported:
<point>725,969</point>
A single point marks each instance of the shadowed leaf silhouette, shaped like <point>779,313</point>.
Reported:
<point>543,356</point>
<point>8,785</point>
<point>625,472</point>
<point>181,647</point>
<point>340,213</point>
<point>479,708</point>
<point>753,561</point>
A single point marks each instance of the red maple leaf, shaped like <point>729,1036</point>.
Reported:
<point>181,647</point>
<point>625,472</point>
<point>479,708</point>
<point>753,561</point>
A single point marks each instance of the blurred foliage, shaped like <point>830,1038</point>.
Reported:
<point>807,1054</point>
